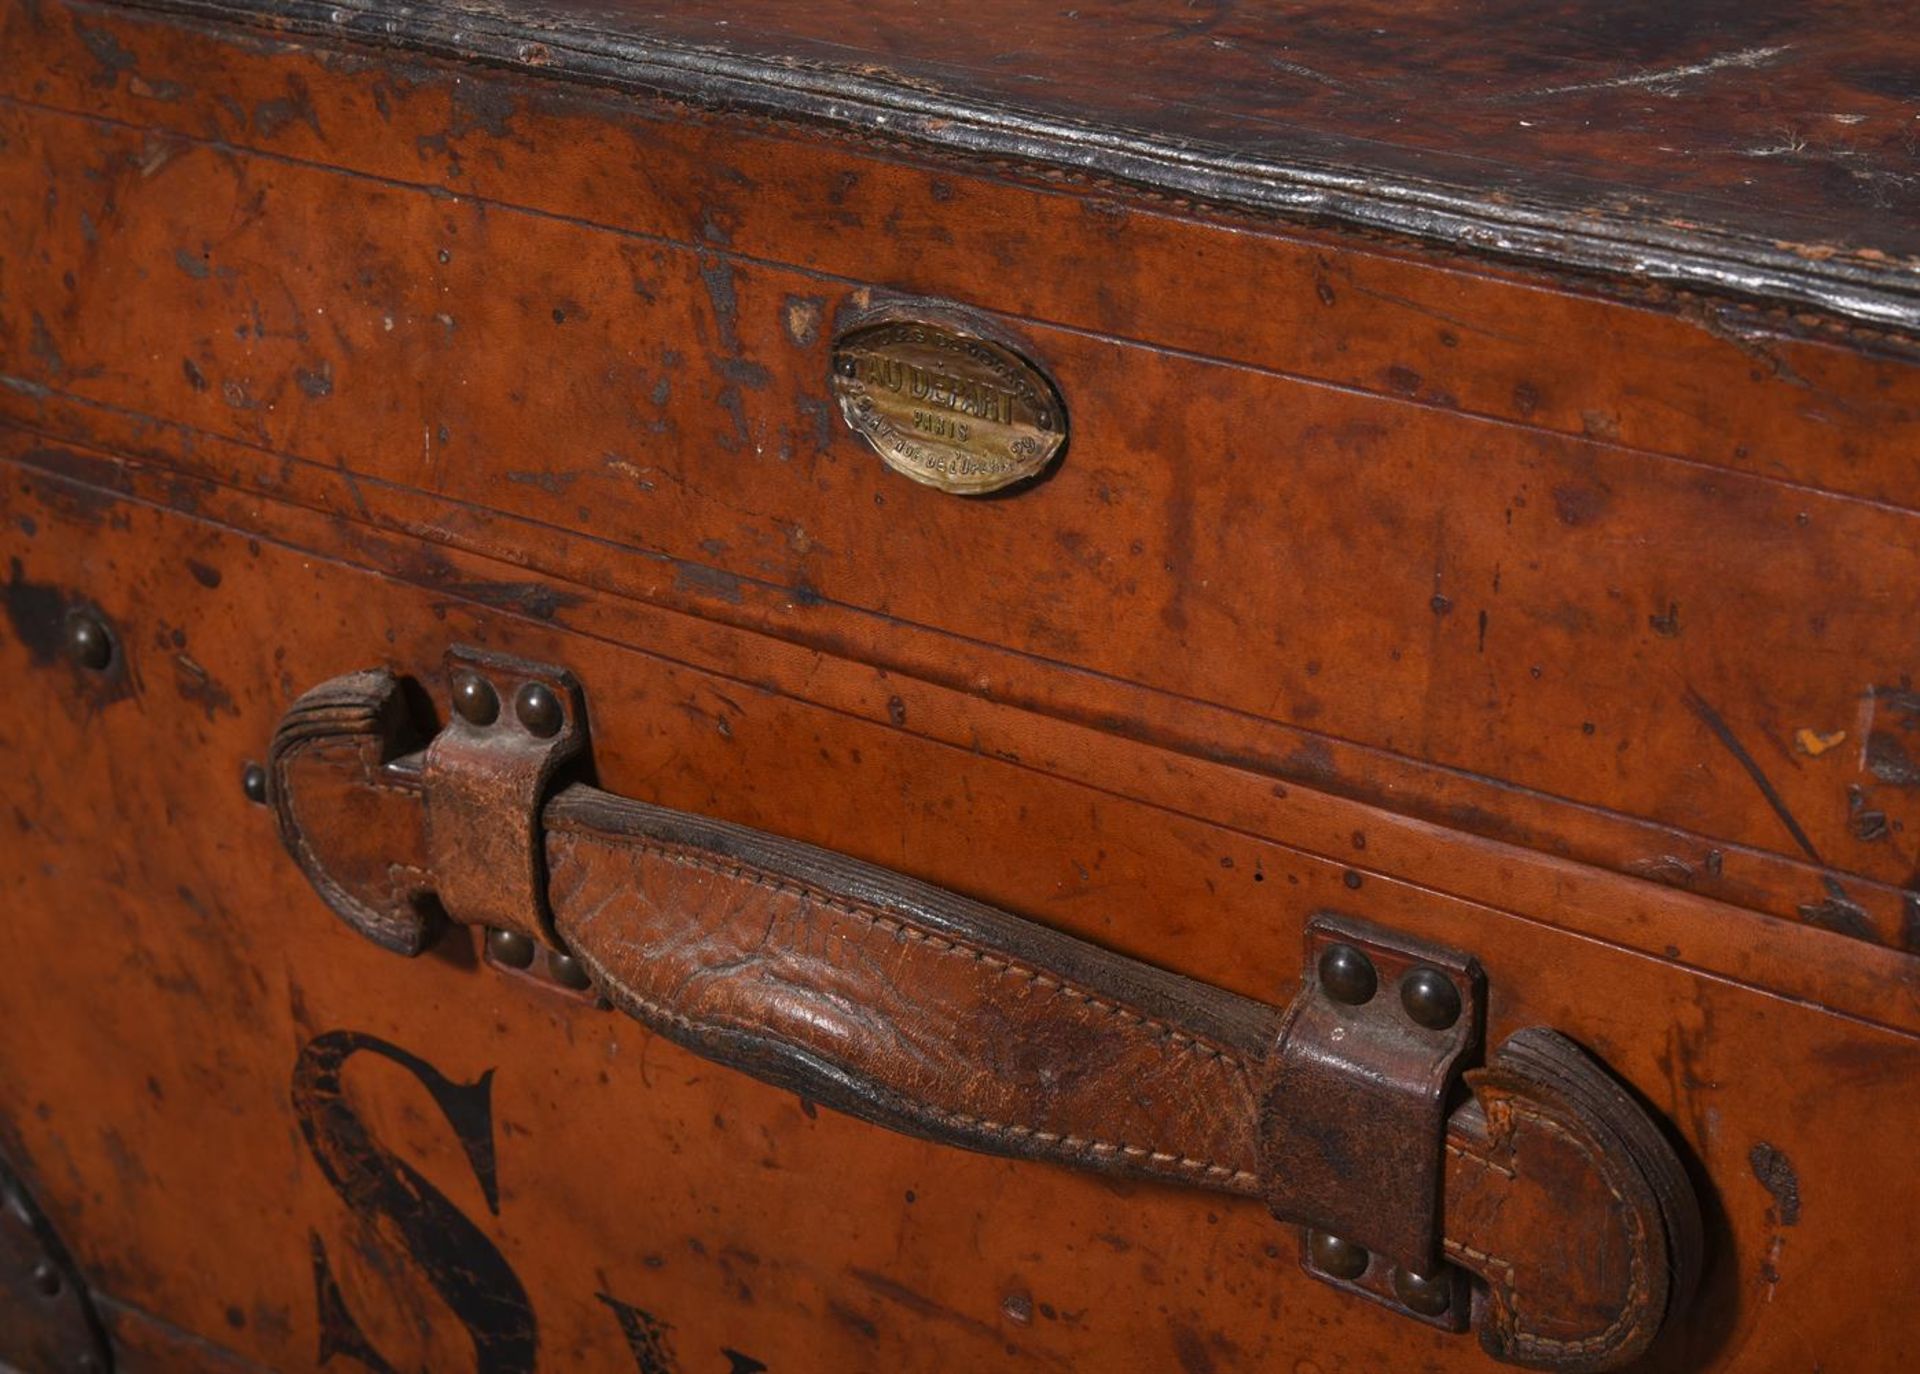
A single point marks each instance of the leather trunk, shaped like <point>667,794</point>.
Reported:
<point>1153,687</point>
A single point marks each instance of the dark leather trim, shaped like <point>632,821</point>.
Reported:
<point>484,787</point>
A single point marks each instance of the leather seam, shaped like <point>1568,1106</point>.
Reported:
<point>1481,1160</point>
<point>690,857</point>
<point>1069,1144</point>
<point>1066,1143</point>
<point>1608,1336</point>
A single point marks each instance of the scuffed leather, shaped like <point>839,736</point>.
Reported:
<point>357,830</point>
<point>880,1007</point>
<point>930,1014</point>
<point>484,785</point>
<point>1563,1196</point>
<point>1354,1099</point>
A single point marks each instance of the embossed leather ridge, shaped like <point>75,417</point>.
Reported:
<point>937,1016</point>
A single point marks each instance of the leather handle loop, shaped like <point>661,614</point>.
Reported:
<point>940,1017</point>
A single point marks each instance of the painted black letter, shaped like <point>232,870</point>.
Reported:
<point>465,1267</point>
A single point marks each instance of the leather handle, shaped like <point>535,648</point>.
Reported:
<point>903,1004</point>
<point>934,1015</point>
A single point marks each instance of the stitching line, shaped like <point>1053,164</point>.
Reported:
<point>1474,1158</point>
<point>690,857</point>
<point>1070,1144</point>
<point>1079,1145</point>
<point>1636,1267</point>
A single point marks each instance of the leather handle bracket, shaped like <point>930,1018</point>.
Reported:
<point>1528,1197</point>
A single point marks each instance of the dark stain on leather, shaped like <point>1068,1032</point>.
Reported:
<point>35,611</point>
<point>198,686</point>
<point>1777,1175</point>
<point>1839,912</point>
<point>918,1303</point>
<point>539,600</point>
<point>1578,505</point>
<point>1191,1349</point>
<point>1889,761</point>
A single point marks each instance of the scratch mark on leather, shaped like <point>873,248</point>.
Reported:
<point>1474,1157</point>
<point>1711,719</point>
<point>1663,80</point>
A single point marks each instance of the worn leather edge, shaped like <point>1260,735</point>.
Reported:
<point>1539,1074</point>
<point>350,725</point>
<point>1540,232</point>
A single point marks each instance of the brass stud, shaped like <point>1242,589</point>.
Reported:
<point>1427,1295</point>
<point>1332,1255</point>
<point>568,972</point>
<point>1430,998</point>
<point>1347,975</point>
<point>510,947</point>
<point>89,642</point>
<point>539,710</point>
<point>475,699</point>
<point>253,782</point>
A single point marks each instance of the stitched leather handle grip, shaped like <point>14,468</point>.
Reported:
<point>934,1015</point>
<point>903,1004</point>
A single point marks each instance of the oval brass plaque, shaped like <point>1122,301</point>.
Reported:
<point>948,409</point>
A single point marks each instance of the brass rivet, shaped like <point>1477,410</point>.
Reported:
<point>510,947</point>
<point>475,699</point>
<point>1332,1255</point>
<point>1427,1296</point>
<point>253,781</point>
<point>47,1279</point>
<point>568,972</point>
<point>1347,974</point>
<point>1430,998</point>
<point>539,710</point>
<point>89,644</point>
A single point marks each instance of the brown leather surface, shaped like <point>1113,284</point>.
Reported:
<point>924,1012</point>
<point>921,1011</point>
<point>1765,143</point>
<point>1554,1147</point>
<point>1527,618</point>
<point>1574,522</point>
<point>169,986</point>
<point>358,835</point>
